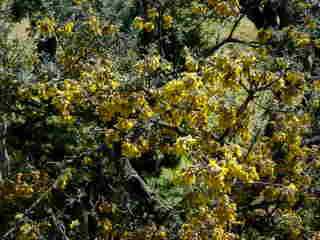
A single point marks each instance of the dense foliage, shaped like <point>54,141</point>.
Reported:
<point>159,119</point>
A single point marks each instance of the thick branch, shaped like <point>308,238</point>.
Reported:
<point>137,187</point>
<point>228,39</point>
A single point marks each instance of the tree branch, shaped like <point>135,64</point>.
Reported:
<point>137,187</point>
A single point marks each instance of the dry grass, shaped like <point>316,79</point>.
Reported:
<point>20,30</point>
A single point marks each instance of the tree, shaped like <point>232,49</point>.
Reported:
<point>232,119</point>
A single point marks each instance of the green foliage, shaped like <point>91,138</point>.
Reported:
<point>152,123</point>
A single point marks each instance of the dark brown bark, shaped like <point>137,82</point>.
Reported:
<point>277,14</point>
<point>139,189</point>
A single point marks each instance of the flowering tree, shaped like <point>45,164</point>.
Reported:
<point>141,91</point>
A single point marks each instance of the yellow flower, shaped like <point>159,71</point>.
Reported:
<point>183,144</point>
<point>152,13</point>
<point>149,26</point>
<point>162,234</point>
<point>87,160</point>
<point>47,25</point>
<point>106,225</point>
<point>74,224</point>
<point>167,21</point>
<point>139,67</point>
<point>199,10</point>
<point>64,179</point>
<point>294,77</point>
<point>153,63</point>
<point>147,113</point>
<point>303,41</point>
<point>114,84</point>
<point>214,165</point>
<point>125,124</point>
<point>237,151</point>
<point>278,85</point>
<point>138,23</point>
<point>289,193</point>
<point>68,27</point>
<point>173,86</point>
<point>143,144</point>
<point>130,150</point>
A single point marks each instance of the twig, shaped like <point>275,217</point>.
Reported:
<point>26,213</point>
<point>58,226</point>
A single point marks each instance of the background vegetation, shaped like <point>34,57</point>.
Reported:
<point>159,119</point>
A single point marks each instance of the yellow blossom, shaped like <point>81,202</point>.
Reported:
<point>130,150</point>
<point>149,26</point>
<point>153,63</point>
<point>167,21</point>
<point>68,27</point>
<point>125,124</point>
<point>138,23</point>
<point>139,67</point>
<point>152,13</point>
<point>74,224</point>
<point>183,144</point>
<point>47,25</point>
<point>106,226</point>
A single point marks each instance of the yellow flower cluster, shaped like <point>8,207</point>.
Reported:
<point>28,231</point>
<point>152,13</point>
<point>138,23</point>
<point>153,63</point>
<point>301,39</point>
<point>125,124</point>
<point>149,65</point>
<point>46,25</point>
<point>199,8</point>
<point>225,8</point>
<point>167,21</point>
<point>67,28</point>
<point>105,226</point>
<point>130,150</point>
<point>141,24</point>
<point>183,144</point>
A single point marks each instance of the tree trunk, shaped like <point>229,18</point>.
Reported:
<point>4,156</point>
